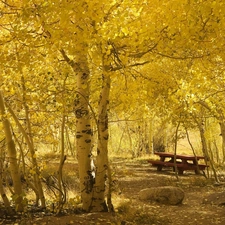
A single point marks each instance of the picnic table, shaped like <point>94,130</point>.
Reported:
<point>181,162</point>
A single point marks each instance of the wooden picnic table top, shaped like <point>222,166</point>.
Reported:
<point>178,156</point>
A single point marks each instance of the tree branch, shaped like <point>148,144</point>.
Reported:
<point>180,57</point>
<point>67,59</point>
<point>140,54</point>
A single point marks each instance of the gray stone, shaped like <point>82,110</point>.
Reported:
<point>215,199</point>
<point>166,195</point>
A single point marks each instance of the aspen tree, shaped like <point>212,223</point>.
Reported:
<point>83,126</point>
<point>11,150</point>
<point>102,165</point>
<point>2,190</point>
<point>61,185</point>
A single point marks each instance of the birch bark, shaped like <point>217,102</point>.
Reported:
<point>83,126</point>
<point>102,165</point>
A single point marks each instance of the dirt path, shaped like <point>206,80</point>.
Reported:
<point>197,191</point>
<point>135,176</point>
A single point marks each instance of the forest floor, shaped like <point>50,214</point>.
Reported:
<point>200,205</point>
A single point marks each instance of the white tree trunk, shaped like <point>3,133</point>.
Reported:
<point>84,136</point>
<point>99,203</point>
<point>83,127</point>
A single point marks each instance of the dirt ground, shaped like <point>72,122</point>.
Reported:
<point>204,201</point>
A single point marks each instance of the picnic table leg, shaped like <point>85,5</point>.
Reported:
<point>195,162</point>
<point>159,168</point>
<point>162,158</point>
<point>180,171</point>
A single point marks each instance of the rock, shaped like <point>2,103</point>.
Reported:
<point>166,195</point>
<point>215,199</point>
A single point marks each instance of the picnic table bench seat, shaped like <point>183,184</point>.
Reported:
<point>181,167</point>
<point>178,164</point>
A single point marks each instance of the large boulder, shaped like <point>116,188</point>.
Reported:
<point>215,199</point>
<point>166,195</point>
